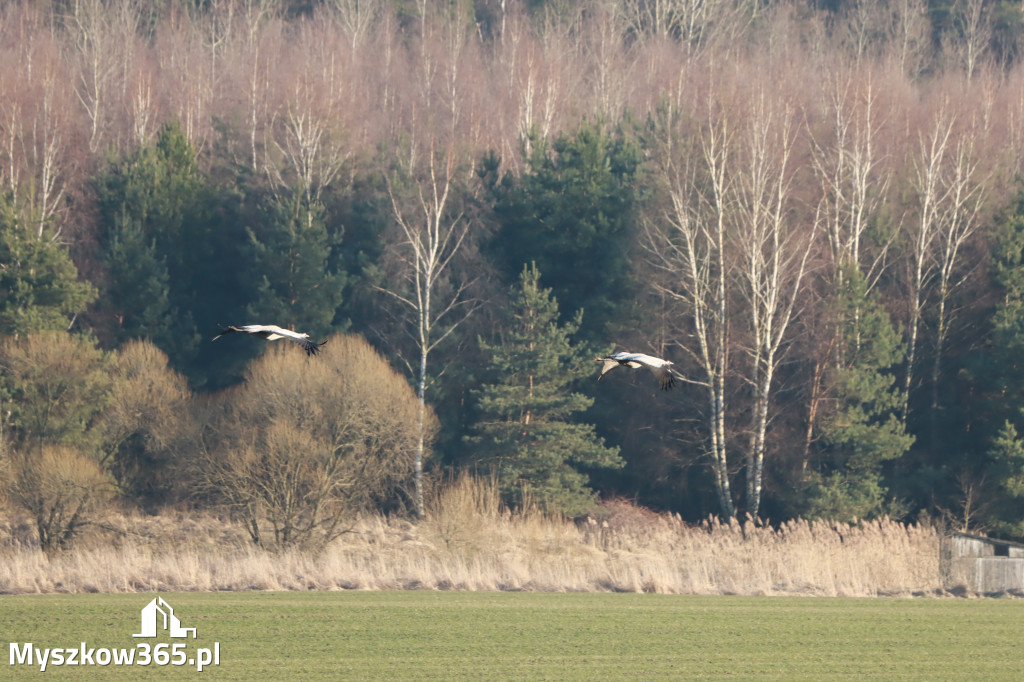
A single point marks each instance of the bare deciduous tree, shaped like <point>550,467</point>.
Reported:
<point>144,420</point>
<point>36,120</point>
<point>310,133</point>
<point>852,166</point>
<point>534,71</point>
<point>61,489</point>
<point>931,194</point>
<point>357,18</point>
<point>773,247</point>
<point>688,244</point>
<point>731,230</point>
<point>909,34</point>
<point>854,170</point>
<point>965,187</point>
<point>689,21</point>
<point>970,44</point>
<point>103,39</point>
<point>305,442</point>
<point>432,233</point>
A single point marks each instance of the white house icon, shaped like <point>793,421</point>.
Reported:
<point>171,623</point>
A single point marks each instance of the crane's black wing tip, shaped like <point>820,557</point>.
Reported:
<point>667,379</point>
<point>312,347</point>
<point>225,329</point>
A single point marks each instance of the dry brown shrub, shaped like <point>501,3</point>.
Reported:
<point>306,442</point>
<point>499,551</point>
<point>465,516</point>
<point>57,385</point>
<point>145,420</point>
<point>61,489</point>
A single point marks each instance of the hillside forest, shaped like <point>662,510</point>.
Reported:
<point>814,209</point>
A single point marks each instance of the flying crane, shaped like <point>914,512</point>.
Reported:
<point>662,369</point>
<point>271,332</point>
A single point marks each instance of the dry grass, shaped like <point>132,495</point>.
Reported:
<point>469,542</point>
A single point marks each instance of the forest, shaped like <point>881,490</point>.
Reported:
<point>814,209</point>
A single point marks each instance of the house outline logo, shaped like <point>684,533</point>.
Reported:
<point>151,613</point>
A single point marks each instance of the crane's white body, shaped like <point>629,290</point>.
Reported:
<point>271,332</point>
<point>662,369</point>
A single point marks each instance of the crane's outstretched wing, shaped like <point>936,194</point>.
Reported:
<point>666,377</point>
<point>662,369</point>
<point>311,347</point>
<point>272,332</point>
<point>609,365</point>
<point>226,330</point>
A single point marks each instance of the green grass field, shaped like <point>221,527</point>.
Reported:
<point>530,636</point>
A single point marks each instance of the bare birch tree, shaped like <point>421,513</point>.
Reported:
<point>534,71</point>
<point>854,171</point>
<point>687,243</point>
<point>36,124</point>
<point>357,18</point>
<point>930,194</point>
<point>102,40</point>
<point>183,78</point>
<point>973,22</point>
<point>773,248</point>
<point>608,59</point>
<point>689,21</point>
<point>964,185</point>
<point>310,133</point>
<point>909,35</point>
<point>852,167</point>
<point>432,233</point>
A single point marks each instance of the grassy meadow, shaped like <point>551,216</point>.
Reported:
<point>423,634</point>
<point>476,591</point>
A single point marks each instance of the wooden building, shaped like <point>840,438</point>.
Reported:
<point>981,565</point>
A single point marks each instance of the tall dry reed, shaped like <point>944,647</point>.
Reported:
<point>470,542</point>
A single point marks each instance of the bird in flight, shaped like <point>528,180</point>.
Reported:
<point>662,369</point>
<point>271,332</point>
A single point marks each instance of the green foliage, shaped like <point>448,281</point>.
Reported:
<point>572,214</point>
<point>170,256</point>
<point>1006,468</point>
<point>999,369</point>
<point>289,260</point>
<point>39,287</point>
<point>526,432</point>
<point>54,386</point>
<point>996,377</point>
<point>862,430</point>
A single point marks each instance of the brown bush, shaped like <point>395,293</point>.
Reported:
<point>145,421</point>
<point>61,489</point>
<point>57,386</point>
<point>306,441</point>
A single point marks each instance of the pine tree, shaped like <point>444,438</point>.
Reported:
<point>863,429</point>
<point>290,256</point>
<point>39,286</point>
<point>998,375</point>
<point>156,208</point>
<point>526,432</point>
<point>571,213</point>
<point>1005,467</point>
<point>999,368</point>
